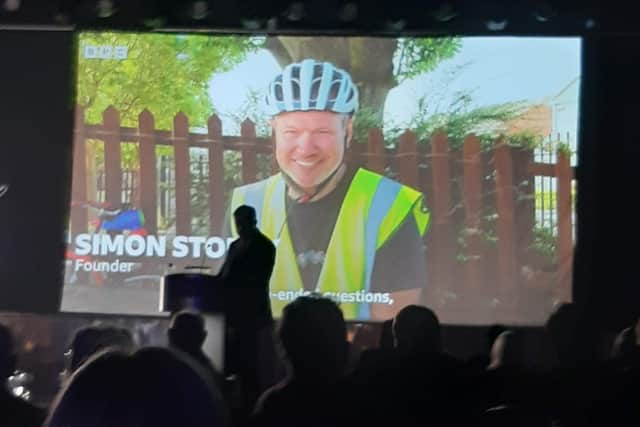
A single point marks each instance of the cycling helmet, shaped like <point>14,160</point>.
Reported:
<point>312,85</point>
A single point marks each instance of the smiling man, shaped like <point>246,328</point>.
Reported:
<point>344,232</point>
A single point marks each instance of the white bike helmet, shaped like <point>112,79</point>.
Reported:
<point>312,85</point>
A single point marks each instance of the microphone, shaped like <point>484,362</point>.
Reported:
<point>201,266</point>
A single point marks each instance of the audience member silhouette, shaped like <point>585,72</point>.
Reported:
<point>418,384</point>
<point>154,387</point>
<point>507,352</point>
<point>578,379</point>
<point>14,411</point>
<point>507,380</point>
<point>375,356</point>
<point>314,338</point>
<point>416,330</point>
<point>89,340</point>
<point>364,338</point>
<point>493,332</point>
<point>478,363</point>
<point>245,276</point>
<point>573,338</point>
<point>386,335</point>
<point>625,350</point>
<point>187,333</point>
<point>412,382</point>
<point>624,346</point>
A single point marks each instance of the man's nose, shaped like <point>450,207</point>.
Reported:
<point>305,143</point>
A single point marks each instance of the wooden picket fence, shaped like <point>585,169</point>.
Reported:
<point>460,187</point>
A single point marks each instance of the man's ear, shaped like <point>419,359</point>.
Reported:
<point>349,130</point>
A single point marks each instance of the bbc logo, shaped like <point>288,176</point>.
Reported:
<point>105,52</point>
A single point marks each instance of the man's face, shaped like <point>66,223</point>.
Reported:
<point>310,144</point>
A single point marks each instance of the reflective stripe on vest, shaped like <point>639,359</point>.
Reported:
<point>372,211</point>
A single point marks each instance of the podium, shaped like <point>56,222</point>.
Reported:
<point>203,293</point>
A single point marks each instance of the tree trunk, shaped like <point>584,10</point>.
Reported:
<point>368,60</point>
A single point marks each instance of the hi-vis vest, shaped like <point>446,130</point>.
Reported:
<point>373,209</point>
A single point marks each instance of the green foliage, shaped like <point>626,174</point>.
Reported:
<point>232,173</point>
<point>367,118</point>
<point>414,57</point>
<point>459,120</point>
<point>165,187</point>
<point>544,242</point>
<point>165,74</point>
<point>545,200</point>
<point>526,139</point>
<point>263,166</point>
<point>564,148</point>
<point>199,191</point>
<point>485,233</point>
<point>250,110</point>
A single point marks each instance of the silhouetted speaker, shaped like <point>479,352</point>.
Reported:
<point>203,293</point>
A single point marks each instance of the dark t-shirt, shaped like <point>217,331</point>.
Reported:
<point>399,263</point>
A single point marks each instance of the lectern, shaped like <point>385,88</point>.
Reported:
<point>201,292</point>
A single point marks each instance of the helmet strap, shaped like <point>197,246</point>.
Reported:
<point>307,197</point>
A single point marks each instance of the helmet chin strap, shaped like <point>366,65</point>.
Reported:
<point>307,197</point>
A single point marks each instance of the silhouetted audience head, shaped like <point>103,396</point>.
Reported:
<point>7,355</point>
<point>187,331</point>
<point>386,335</point>
<point>245,219</point>
<point>493,332</point>
<point>154,387</point>
<point>563,328</point>
<point>89,340</point>
<point>508,351</point>
<point>417,329</point>
<point>314,336</point>
<point>625,348</point>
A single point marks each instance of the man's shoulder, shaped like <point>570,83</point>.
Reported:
<point>363,175</point>
<point>266,244</point>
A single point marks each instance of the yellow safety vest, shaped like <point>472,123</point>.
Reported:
<point>373,209</point>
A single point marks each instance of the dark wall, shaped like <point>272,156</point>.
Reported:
<point>607,256</point>
<point>35,157</point>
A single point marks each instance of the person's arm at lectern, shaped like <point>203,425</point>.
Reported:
<point>270,261</point>
<point>225,270</point>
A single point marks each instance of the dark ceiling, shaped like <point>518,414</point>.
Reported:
<point>517,17</point>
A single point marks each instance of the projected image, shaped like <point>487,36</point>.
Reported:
<point>438,171</point>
